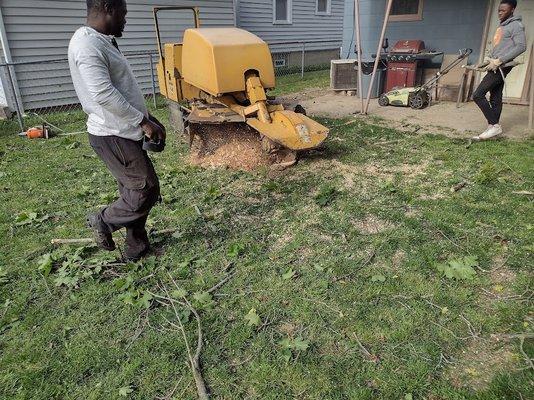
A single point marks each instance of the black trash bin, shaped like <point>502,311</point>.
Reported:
<point>367,71</point>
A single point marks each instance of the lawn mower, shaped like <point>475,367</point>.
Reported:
<point>419,97</point>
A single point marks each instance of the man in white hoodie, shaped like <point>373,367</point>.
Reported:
<point>117,122</point>
<point>508,43</point>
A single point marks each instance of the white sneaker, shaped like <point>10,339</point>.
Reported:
<point>492,132</point>
<point>477,137</point>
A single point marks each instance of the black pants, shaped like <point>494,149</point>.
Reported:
<point>138,187</point>
<point>493,83</point>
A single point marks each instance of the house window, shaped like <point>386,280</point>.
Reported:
<point>406,10</point>
<point>282,11</point>
<point>323,7</point>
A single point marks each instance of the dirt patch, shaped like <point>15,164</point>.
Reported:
<point>480,362</point>
<point>288,328</point>
<point>398,258</point>
<point>372,225</point>
<point>502,278</point>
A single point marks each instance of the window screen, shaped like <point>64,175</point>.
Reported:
<point>405,7</point>
<point>281,12</point>
<point>322,6</point>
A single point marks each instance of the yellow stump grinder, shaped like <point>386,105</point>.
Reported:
<point>220,76</point>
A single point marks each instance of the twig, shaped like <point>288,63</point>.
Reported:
<point>169,395</point>
<point>139,329</point>
<point>451,332</point>
<point>365,263</point>
<point>472,331</point>
<point>325,305</point>
<point>221,283</point>
<point>366,353</point>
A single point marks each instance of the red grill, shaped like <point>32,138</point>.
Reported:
<point>404,64</point>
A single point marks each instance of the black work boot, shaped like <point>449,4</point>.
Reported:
<point>137,244</point>
<point>101,232</point>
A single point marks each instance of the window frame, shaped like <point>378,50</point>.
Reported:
<point>328,8</point>
<point>289,20</point>
<point>409,17</point>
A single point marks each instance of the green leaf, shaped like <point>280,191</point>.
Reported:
<point>252,318</point>
<point>325,196</point>
<point>129,297</point>
<point>286,354</point>
<point>408,396</point>
<point>459,269</point>
<point>378,278</point>
<point>45,264</point>
<point>300,344</point>
<point>290,273</point>
<point>203,299</point>
<point>213,193</point>
<point>235,250</point>
<point>123,284</point>
<point>145,300</point>
<point>73,145</point>
<point>125,391</point>
<point>178,293</point>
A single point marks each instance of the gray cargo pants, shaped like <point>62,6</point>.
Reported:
<point>138,187</point>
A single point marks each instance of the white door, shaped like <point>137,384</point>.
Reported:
<point>516,80</point>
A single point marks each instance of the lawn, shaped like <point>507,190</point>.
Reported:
<point>389,265</point>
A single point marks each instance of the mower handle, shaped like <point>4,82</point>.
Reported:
<point>172,8</point>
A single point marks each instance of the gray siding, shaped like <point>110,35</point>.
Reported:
<point>447,25</point>
<point>40,30</point>
<point>257,16</point>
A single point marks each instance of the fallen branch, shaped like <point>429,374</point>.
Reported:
<point>57,242</point>
<point>194,360</point>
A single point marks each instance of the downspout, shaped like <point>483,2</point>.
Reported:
<point>236,13</point>
<point>7,56</point>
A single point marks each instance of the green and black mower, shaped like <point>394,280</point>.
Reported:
<point>419,97</point>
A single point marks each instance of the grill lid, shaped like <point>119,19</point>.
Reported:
<point>408,47</point>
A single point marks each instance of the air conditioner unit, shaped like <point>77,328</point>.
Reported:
<point>343,75</point>
<point>281,62</point>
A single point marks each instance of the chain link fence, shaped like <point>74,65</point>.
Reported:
<point>39,92</point>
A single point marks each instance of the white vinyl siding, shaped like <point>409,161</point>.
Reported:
<point>306,24</point>
<point>39,30</point>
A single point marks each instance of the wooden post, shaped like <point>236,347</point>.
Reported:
<point>531,103</point>
<point>485,35</point>
<point>359,50</point>
<point>373,76</point>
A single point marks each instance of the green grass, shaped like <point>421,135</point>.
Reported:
<point>339,249</point>
<point>294,83</point>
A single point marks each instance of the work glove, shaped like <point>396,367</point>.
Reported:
<point>494,64</point>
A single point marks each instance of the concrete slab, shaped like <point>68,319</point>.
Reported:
<point>440,117</point>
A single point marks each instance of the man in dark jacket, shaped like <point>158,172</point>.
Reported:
<point>508,43</point>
